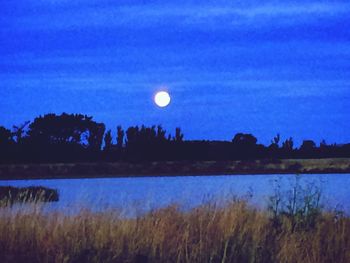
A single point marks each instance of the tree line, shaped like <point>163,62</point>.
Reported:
<point>78,138</point>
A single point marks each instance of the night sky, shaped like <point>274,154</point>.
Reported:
<point>261,67</point>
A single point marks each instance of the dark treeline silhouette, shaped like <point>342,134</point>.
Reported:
<point>78,138</point>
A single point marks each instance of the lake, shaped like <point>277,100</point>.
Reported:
<point>141,194</point>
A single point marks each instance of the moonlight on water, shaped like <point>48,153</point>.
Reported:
<point>162,99</point>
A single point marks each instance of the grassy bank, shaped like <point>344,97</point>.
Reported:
<point>123,169</point>
<point>234,232</point>
<point>10,195</point>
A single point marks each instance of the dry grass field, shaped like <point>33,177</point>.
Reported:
<point>233,232</point>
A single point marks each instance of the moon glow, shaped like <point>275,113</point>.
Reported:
<point>162,99</point>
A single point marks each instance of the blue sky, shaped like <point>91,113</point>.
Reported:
<point>262,67</point>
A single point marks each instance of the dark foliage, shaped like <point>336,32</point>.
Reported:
<point>78,138</point>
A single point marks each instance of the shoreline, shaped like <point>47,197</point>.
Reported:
<point>173,168</point>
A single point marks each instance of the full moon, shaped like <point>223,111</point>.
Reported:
<point>162,99</point>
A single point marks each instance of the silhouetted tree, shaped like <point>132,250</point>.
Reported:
<point>5,135</point>
<point>326,150</point>
<point>63,129</point>
<point>244,140</point>
<point>63,137</point>
<point>308,149</point>
<point>108,141</point>
<point>274,148</point>
<point>308,145</point>
<point>120,137</point>
<point>288,145</point>
<point>131,136</point>
<point>76,137</point>
<point>276,140</point>
<point>323,144</point>
<point>6,143</point>
<point>96,132</point>
<point>19,132</point>
<point>161,134</point>
<point>147,142</point>
<point>245,145</point>
<point>178,135</point>
<point>287,149</point>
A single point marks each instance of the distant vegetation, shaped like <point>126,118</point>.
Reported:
<point>78,138</point>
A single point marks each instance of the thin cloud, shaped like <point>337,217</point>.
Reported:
<point>190,15</point>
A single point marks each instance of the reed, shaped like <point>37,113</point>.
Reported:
<point>33,194</point>
<point>213,232</point>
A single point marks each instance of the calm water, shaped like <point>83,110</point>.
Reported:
<point>152,192</point>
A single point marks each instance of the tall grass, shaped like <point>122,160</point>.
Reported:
<point>19,195</point>
<point>230,232</point>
